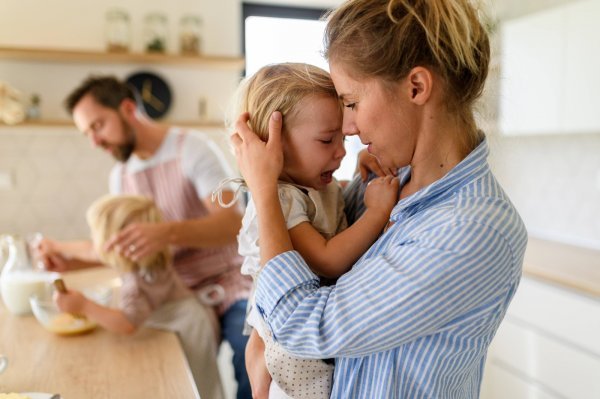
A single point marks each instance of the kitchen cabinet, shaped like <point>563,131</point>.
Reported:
<point>547,346</point>
<point>36,65</point>
<point>549,80</point>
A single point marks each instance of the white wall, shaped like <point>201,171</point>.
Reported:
<point>554,180</point>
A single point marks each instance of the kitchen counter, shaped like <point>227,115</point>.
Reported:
<point>572,267</point>
<point>99,364</point>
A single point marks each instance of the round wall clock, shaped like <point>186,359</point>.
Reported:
<point>154,92</point>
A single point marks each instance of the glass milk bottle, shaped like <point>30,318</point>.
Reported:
<point>19,280</point>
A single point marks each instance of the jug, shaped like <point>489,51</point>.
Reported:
<point>19,280</point>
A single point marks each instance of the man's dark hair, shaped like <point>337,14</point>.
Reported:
<point>106,90</point>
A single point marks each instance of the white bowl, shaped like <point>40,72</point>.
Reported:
<point>58,322</point>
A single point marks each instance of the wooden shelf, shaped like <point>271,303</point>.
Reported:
<point>68,123</point>
<point>102,57</point>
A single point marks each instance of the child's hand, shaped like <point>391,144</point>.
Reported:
<point>382,194</point>
<point>367,163</point>
<point>70,301</point>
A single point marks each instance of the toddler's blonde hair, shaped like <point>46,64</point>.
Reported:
<point>278,87</point>
<point>109,215</point>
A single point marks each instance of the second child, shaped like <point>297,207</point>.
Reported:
<point>151,293</point>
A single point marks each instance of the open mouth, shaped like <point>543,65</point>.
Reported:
<point>327,177</point>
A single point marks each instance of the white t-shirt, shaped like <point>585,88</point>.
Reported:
<point>324,210</point>
<point>202,161</point>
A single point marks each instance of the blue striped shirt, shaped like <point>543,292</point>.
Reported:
<point>416,314</point>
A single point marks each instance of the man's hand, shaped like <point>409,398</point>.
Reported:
<point>48,253</point>
<point>138,240</point>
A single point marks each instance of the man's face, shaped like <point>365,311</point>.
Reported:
<point>105,127</point>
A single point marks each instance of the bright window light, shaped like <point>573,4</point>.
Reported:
<point>271,40</point>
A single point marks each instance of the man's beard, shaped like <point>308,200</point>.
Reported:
<point>123,152</point>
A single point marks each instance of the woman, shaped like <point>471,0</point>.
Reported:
<point>415,315</point>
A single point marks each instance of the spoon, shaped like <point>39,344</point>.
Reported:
<point>60,286</point>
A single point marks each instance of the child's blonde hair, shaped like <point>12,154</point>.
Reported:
<point>109,215</point>
<point>278,87</point>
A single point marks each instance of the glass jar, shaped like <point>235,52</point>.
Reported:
<point>190,34</point>
<point>19,279</point>
<point>155,32</point>
<point>118,30</point>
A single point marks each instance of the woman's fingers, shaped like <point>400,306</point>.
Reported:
<point>275,125</point>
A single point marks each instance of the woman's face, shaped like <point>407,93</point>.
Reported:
<point>380,116</point>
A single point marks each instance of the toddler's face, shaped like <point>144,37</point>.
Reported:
<point>314,144</point>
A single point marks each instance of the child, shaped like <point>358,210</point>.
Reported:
<point>312,204</point>
<point>151,293</point>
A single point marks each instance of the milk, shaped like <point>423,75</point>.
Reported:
<point>18,286</point>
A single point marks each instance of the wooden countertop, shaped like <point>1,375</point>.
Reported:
<point>100,364</point>
<point>572,267</point>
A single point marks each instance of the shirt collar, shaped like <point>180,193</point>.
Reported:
<point>473,165</point>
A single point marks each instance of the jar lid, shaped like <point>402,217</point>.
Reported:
<point>189,18</point>
<point>117,13</point>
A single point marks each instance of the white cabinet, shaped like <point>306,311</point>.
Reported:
<point>549,75</point>
<point>547,347</point>
<point>582,71</point>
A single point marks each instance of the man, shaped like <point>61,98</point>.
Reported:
<point>179,170</point>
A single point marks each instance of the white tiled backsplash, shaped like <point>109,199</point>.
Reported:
<point>56,175</point>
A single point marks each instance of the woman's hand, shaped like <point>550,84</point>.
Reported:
<point>382,194</point>
<point>367,163</point>
<point>260,163</point>
<point>138,240</point>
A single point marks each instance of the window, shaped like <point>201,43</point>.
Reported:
<point>273,34</point>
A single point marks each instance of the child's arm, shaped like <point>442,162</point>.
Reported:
<point>112,319</point>
<point>260,379</point>
<point>335,257</point>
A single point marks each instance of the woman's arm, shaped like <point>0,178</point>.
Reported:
<point>112,319</point>
<point>332,258</point>
<point>261,164</point>
<point>410,289</point>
